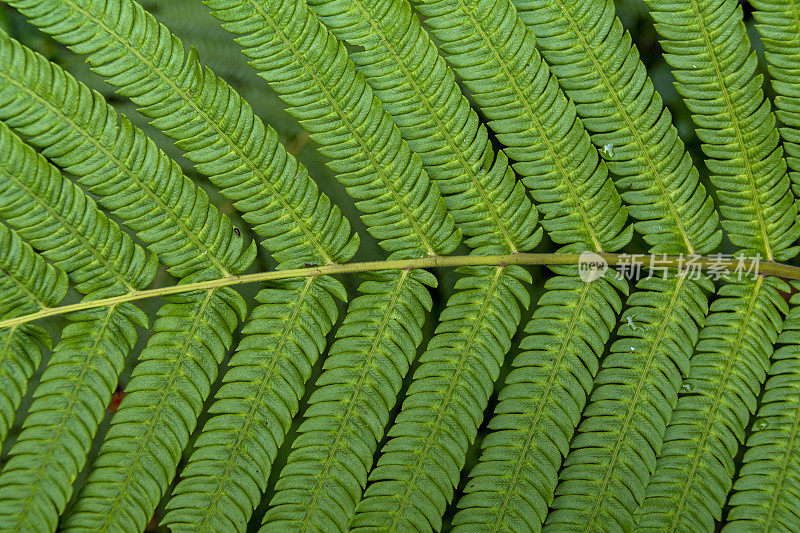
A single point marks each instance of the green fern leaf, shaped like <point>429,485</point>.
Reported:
<point>614,452</point>
<point>402,208</point>
<point>576,182</point>
<point>418,468</point>
<point>765,491</point>
<point>56,217</point>
<point>695,467</point>
<point>512,487</point>
<point>778,22</point>
<point>69,404</point>
<point>495,55</point>
<point>327,469</point>
<point>415,85</point>
<point>29,285</point>
<point>208,120</point>
<point>739,137</point>
<point>34,98</point>
<point>599,68</point>
<point>164,398</point>
<point>714,67</point>
<point>298,225</point>
<point>228,471</point>
<point>420,223</point>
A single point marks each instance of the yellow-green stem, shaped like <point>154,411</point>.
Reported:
<point>763,268</point>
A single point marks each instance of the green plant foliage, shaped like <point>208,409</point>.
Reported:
<point>276,373</point>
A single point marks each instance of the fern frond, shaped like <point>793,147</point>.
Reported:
<point>29,284</point>
<point>403,210</point>
<point>491,50</point>
<point>327,469</point>
<point>599,69</point>
<point>337,108</point>
<point>19,357</point>
<point>419,465</point>
<point>118,164</point>
<point>777,23</point>
<point>403,67</point>
<point>714,66</point>
<point>228,471</point>
<point>614,452</point>
<point>69,404</point>
<point>512,486</point>
<point>56,217</point>
<point>766,492</point>
<point>220,134</point>
<point>208,120</point>
<point>164,398</point>
<point>694,469</point>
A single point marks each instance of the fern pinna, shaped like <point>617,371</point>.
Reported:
<point>294,349</point>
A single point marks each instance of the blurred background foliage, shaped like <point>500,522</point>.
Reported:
<point>192,22</point>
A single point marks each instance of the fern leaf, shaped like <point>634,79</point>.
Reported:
<point>69,404</point>
<point>540,405</point>
<point>29,284</point>
<point>614,452</point>
<point>375,346</point>
<point>495,55</point>
<point>57,218</point>
<point>778,22</point>
<point>19,357</point>
<point>765,491</point>
<point>695,467</point>
<point>228,471</point>
<point>378,168</point>
<point>227,142</point>
<point>164,398</point>
<point>418,468</point>
<point>574,182</point>
<point>436,120</point>
<point>599,69</point>
<point>208,120</point>
<point>117,163</point>
<point>402,208</point>
<point>714,66</point>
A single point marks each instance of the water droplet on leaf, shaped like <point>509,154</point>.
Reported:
<point>761,424</point>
